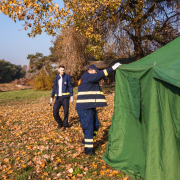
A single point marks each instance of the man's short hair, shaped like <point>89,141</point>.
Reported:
<point>61,66</point>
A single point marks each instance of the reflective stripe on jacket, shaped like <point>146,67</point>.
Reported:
<point>67,88</point>
<point>90,94</point>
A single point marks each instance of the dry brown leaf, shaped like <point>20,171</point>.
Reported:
<point>70,175</point>
<point>125,178</point>
<point>79,175</point>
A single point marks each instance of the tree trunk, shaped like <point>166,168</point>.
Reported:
<point>138,51</point>
<point>45,70</point>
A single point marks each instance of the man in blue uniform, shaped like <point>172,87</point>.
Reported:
<point>63,91</point>
<point>89,97</point>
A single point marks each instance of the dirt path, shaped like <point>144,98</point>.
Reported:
<point>12,87</point>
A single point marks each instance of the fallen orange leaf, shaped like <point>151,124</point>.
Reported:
<point>125,178</point>
<point>94,165</point>
<point>10,172</point>
<point>23,165</point>
<point>69,174</point>
<point>79,175</point>
<point>102,173</point>
<point>114,172</point>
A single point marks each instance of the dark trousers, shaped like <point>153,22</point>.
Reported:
<point>60,101</point>
<point>90,125</point>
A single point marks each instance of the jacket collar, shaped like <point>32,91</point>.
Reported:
<point>62,76</point>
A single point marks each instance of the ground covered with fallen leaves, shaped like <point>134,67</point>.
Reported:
<point>32,147</point>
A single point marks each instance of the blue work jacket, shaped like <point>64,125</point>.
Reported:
<point>67,88</point>
<point>90,94</point>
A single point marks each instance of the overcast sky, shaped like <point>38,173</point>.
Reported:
<point>15,44</point>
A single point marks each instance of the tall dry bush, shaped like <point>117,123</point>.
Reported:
<point>69,47</point>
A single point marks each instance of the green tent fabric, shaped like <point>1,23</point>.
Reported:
<point>144,138</point>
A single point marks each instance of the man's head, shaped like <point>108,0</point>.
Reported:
<point>92,69</point>
<point>61,70</point>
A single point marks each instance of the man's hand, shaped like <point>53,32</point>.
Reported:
<point>71,99</point>
<point>116,65</point>
<point>51,100</point>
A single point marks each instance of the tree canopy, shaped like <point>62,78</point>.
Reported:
<point>38,62</point>
<point>149,24</point>
<point>10,72</point>
<point>41,70</point>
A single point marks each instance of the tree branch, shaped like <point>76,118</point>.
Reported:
<point>164,24</point>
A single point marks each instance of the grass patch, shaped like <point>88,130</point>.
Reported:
<point>77,171</point>
<point>31,96</point>
<point>23,176</point>
<point>27,96</point>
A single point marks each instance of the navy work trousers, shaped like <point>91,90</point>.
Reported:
<point>90,125</point>
<point>60,101</point>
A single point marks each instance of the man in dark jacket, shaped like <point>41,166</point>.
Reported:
<point>63,91</point>
<point>89,97</point>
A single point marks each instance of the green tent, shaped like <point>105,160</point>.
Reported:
<point>144,138</point>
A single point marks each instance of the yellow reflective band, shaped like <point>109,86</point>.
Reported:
<point>88,140</point>
<point>66,93</point>
<point>105,72</point>
<point>89,145</point>
<point>90,100</point>
<point>90,92</point>
<point>55,94</point>
<point>95,132</point>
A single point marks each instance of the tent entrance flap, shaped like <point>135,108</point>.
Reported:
<point>134,96</point>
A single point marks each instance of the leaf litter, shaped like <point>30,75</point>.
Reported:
<point>32,147</point>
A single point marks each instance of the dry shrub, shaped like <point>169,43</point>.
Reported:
<point>43,82</point>
<point>22,81</point>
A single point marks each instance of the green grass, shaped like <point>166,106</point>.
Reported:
<point>27,96</point>
<point>32,96</point>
